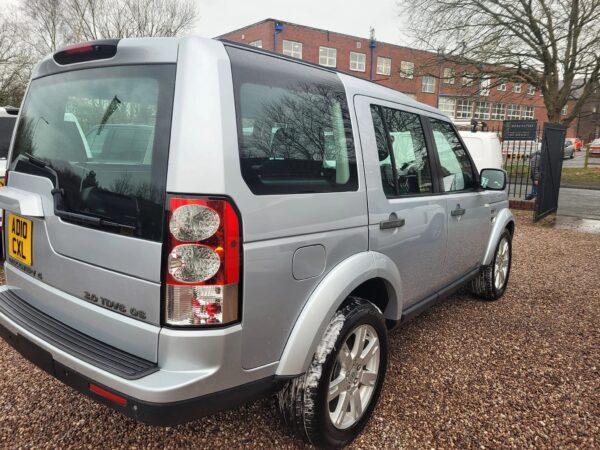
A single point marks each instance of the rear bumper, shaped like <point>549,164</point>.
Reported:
<point>151,413</point>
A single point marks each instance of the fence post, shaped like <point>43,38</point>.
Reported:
<point>587,155</point>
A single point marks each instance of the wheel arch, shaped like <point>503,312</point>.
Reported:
<point>504,220</point>
<point>366,272</point>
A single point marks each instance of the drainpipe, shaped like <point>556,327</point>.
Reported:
<point>278,29</point>
<point>373,46</point>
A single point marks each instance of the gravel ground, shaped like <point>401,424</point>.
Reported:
<point>522,372</point>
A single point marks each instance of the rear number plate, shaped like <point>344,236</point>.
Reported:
<point>19,238</point>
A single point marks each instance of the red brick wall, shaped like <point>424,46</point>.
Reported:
<point>425,63</point>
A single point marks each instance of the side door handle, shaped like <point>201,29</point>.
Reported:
<point>393,222</point>
<point>458,211</point>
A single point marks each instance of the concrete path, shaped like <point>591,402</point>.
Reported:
<point>582,203</point>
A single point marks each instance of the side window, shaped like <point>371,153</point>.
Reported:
<point>403,158</point>
<point>456,167</point>
<point>294,127</point>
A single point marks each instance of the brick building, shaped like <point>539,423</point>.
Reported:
<point>417,73</point>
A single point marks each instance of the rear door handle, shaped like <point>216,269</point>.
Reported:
<point>393,222</point>
<point>458,211</point>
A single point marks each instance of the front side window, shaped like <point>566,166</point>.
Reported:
<point>464,109</point>
<point>456,167</point>
<point>357,61</point>
<point>407,69</point>
<point>327,56</point>
<point>428,84</point>
<point>483,110</point>
<point>105,131</point>
<point>513,112</point>
<point>292,48</point>
<point>294,129</point>
<point>448,105</point>
<point>384,65</point>
<point>403,158</point>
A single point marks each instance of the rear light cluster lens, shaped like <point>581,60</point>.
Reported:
<point>203,263</point>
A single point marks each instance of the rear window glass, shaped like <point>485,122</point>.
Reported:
<point>6,129</point>
<point>294,129</point>
<point>105,132</point>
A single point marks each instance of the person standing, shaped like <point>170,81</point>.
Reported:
<point>535,162</point>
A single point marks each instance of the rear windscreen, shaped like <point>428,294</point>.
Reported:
<point>6,129</point>
<point>105,131</point>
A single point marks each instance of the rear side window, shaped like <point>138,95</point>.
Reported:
<point>456,167</point>
<point>403,158</point>
<point>6,129</point>
<point>294,128</point>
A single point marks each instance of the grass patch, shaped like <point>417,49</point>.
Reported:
<point>574,175</point>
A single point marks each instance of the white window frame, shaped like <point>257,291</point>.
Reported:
<point>527,112</point>
<point>410,95</point>
<point>482,110</point>
<point>484,87</point>
<point>449,75</point>
<point>467,79</point>
<point>329,59</point>
<point>428,84</point>
<point>464,109</point>
<point>512,113</point>
<point>407,69</point>
<point>384,65</point>
<point>292,48</point>
<point>501,86</point>
<point>257,43</point>
<point>356,64</point>
<point>516,88</point>
<point>530,89</point>
<point>498,111</point>
<point>564,110</point>
<point>447,105</point>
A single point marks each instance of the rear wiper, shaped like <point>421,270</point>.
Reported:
<point>58,197</point>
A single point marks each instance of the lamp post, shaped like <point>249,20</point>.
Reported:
<point>278,29</point>
<point>372,46</point>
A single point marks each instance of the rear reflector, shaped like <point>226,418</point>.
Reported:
<point>88,51</point>
<point>121,401</point>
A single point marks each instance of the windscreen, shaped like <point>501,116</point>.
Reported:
<point>105,132</point>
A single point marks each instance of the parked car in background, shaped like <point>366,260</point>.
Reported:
<point>234,223</point>
<point>484,147</point>
<point>594,149</point>
<point>8,117</point>
<point>569,149</point>
<point>576,143</point>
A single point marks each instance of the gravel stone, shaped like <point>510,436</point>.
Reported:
<point>522,372</point>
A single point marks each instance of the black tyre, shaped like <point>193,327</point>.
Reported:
<point>491,282</point>
<point>332,402</point>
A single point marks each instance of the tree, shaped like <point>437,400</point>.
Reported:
<point>15,63</point>
<point>553,45</point>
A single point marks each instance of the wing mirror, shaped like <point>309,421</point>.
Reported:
<point>493,179</point>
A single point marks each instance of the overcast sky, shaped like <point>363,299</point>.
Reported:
<point>344,16</point>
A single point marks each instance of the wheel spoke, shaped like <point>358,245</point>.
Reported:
<point>368,378</point>
<point>359,341</point>
<point>369,352</point>
<point>345,357</point>
<point>356,404</point>
<point>336,388</point>
<point>341,410</point>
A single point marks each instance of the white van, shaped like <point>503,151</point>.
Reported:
<point>484,147</point>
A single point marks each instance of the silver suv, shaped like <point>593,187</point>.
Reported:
<point>192,224</point>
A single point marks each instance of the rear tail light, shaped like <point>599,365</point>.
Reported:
<point>88,51</point>
<point>203,263</point>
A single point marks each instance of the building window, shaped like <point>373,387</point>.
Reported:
<point>407,69</point>
<point>467,79</point>
<point>501,86</point>
<point>482,111</point>
<point>517,88</point>
<point>563,112</point>
<point>428,84</point>
<point>410,95</point>
<point>498,111</point>
<point>256,43</point>
<point>357,61</point>
<point>384,65</point>
<point>464,109</point>
<point>292,48</point>
<point>358,44</point>
<point>513,112</point>
<point>527,112</point>
<point>447,105</point>
<point>449,75</point>
<point>484,87</point>
<point>327,56</point>
<point>530,90</point>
